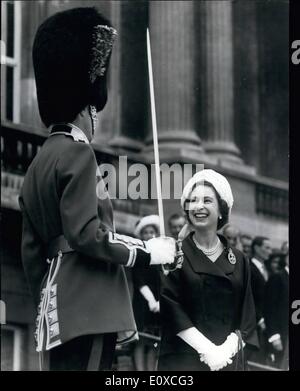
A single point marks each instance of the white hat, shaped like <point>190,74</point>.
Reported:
<point>144,222</point>
<point>219,182</point>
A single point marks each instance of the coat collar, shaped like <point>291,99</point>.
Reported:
<point>202,264</point>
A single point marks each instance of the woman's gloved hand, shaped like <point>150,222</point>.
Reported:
<point>216,358</point>
<point>231,345</point>
<point>153,306</point>
<point>162,250</point>
<point>212,355</point>
<point>220,356</point>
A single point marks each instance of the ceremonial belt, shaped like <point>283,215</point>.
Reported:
<point>57,247</point>
<point>58,244</point>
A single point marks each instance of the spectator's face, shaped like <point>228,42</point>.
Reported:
<point>264,251</point>
<point>246,245</point>
<point>232,236</point>
<point>148,232</point>
<point>175,226</point>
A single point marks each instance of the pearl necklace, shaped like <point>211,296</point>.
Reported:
<point>210,251</point>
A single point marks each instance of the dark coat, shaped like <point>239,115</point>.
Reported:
<point>89,294</point>
<point>215,298</point>
<point>258,284</point>
<point>277,305</point>
<point>146,320</point>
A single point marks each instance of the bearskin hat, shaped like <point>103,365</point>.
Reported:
<point>71,53</point>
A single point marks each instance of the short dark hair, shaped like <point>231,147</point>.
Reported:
<point>245,236</point>
<point>258,241</point>
<point>276,254</point>
<point>224,209</point>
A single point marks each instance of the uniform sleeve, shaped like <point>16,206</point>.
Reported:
<point>173,316</point>
<point>33,255</point>
<point>85,233</point>
<point>248,318</point>
<point>272,298</point>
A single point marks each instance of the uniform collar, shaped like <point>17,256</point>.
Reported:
<point>202,264</point>
<point>78,134</point>
<point>70,129</point>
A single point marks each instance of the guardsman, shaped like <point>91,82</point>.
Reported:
<point>73,258</point>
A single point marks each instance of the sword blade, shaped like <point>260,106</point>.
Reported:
<point>155,140</point>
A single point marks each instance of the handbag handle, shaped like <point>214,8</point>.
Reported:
<point>240,359</point>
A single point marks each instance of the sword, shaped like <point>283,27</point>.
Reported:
<point>179,255</point>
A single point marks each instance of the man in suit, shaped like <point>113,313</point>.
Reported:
<point>246,242</point>
<point>73,258</point>
<point>261,250</point>
<point>277,315</point>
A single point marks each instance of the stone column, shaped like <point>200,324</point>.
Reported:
<point>246,81</point>
<point>219,89</point>
<point>171,25</point>
<point>130,92</point>
<point>110,118</point>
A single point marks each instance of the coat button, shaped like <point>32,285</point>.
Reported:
<point>50,318</point>
<point>51,332</point>
<point>50,305</point>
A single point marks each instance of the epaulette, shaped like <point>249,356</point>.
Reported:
<point>74,132</point>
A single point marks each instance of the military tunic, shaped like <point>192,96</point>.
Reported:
<point>83,291</point>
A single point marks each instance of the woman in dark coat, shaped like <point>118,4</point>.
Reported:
<point>145,301</point>
<point>207,307</point>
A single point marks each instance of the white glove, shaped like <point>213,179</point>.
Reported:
<point>162,250</point>
<point>153,306</point>
<point>193,337</point>
<point>215,358</point>
<point>222,355</point>
<point>231,345</point>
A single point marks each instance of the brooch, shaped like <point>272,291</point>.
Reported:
<point>231,257</point>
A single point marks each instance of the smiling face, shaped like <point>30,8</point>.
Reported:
<point>204,208</point>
